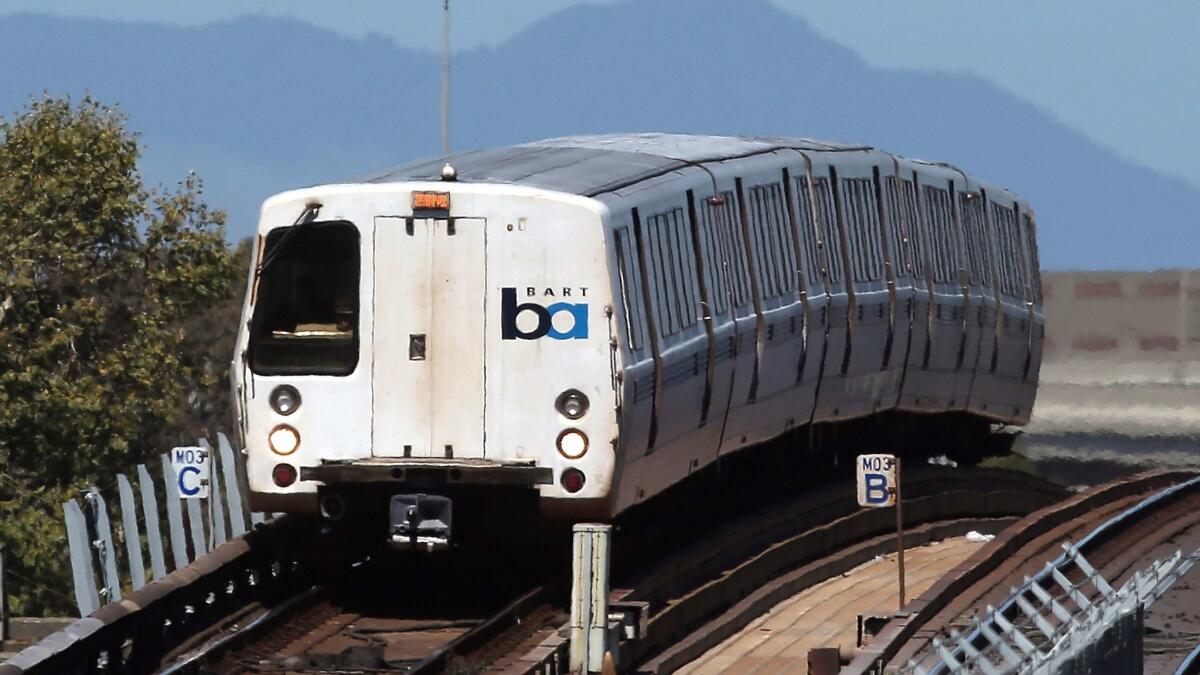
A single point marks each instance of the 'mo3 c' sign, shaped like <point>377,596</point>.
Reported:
<point>192,468</point>
<point>510,310</point>
<point>876,480</point>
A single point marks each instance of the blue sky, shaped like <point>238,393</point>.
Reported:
<point>1123,73</point>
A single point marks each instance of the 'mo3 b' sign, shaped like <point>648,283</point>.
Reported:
<point>876,480</point>
<point>192,469</point>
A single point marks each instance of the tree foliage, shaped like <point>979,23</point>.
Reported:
<point>107,352</point>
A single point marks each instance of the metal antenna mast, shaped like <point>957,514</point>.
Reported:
<point>446,76</point>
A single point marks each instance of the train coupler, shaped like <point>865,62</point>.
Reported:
<point>420,522</point>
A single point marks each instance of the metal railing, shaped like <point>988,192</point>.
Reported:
<point>107,560</point>
<point>1051,624</point>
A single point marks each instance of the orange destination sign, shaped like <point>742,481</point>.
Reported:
<point>431,201</point>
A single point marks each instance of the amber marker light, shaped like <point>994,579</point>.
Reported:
<point>284,440</point>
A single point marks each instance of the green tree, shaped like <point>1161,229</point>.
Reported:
<point>105,284</point>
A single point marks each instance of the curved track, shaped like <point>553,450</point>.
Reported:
<point>259,604</point>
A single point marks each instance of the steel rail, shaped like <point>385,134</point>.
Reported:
<point>1087,543</point>
<point>720,583</point>
<point>194,658</point>
<point>1166,485</point>
<point>268,566</point>
<point>1191,664</point>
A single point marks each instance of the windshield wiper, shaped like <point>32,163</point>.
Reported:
<point>308,215</point>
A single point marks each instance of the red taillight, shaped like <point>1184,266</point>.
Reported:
<point>572,480</point>
<point>284,474</point>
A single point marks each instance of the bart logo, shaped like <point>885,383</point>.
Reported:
<point>510,310</point>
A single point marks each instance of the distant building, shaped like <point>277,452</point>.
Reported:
<point>1107,327</point>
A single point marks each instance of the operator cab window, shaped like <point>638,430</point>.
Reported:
<point>306,307</point>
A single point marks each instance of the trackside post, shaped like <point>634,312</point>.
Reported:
<point>878,480</point>
<point>589,597</point>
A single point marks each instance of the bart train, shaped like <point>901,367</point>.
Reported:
<point>579,323</point>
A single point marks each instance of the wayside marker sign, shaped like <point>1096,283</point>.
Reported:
<point>192,468</point>
<point>876,481</point>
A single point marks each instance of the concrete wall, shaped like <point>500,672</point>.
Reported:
<point>1122,355</point>
<point>1122,327</point>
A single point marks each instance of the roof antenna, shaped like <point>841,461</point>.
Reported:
<point>446,76</point>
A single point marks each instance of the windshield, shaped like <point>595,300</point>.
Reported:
<point>306,307</point>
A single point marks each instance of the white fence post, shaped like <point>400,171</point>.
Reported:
<point>94,545</point>
<point>131,535</point>
<point>158,562</point>
<point>108,552</point>
<point>174,515</point>
<point>81,559</point>
<point>233,489</point>
<point>3,598</point>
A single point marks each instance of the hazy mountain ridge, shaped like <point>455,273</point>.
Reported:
<point>259,105</point>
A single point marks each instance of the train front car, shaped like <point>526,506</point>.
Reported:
<point>431,358</point>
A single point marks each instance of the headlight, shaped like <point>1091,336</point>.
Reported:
<point>572,443</point>
<point>572,403</point>
<point>283,440</point>
<point>285,399</point>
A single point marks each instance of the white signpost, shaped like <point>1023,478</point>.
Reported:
<point>878,488</point>
<point>192,467</point>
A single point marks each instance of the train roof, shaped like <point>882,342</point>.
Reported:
<point>592,165</point>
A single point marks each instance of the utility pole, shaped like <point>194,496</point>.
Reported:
<point>446,76</point>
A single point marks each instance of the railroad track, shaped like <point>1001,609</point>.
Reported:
<point>257,605</point>
<point>1115,526</point>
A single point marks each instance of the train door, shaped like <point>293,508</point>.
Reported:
<point>943,359</point>
<point>734,331</point>
<point>901,271</point>
<point>869,319</point>
<point>918,379</point>
<point>980,319</point>
<point>1012,334</point>
<point>428,330</point>
<point>715,218</point>
<point>1037,325</point>
<point>814,297</point>
<point>779,328</point>
<point>833,392</point>
<point>681,354</point>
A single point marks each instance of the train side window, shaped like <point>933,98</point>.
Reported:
<point>685,260</point>
<point>1029,230</point>
<point>862,226</point>
<point>1010,263</point>
<point>941,236</point>
<point>804,221</point>
<point>661,280</point>
<point>676,286</point>
<point>788,279</point>
<point>630,291</point>
<point>773,243</point>
<point>733,247</point>
<point>900,241</point>
<point>909,196</point>
<point>978,255</point>
<point>712,250</point>
<point>757,245</point>
<point>873,234</point>
<point>829,228</point>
